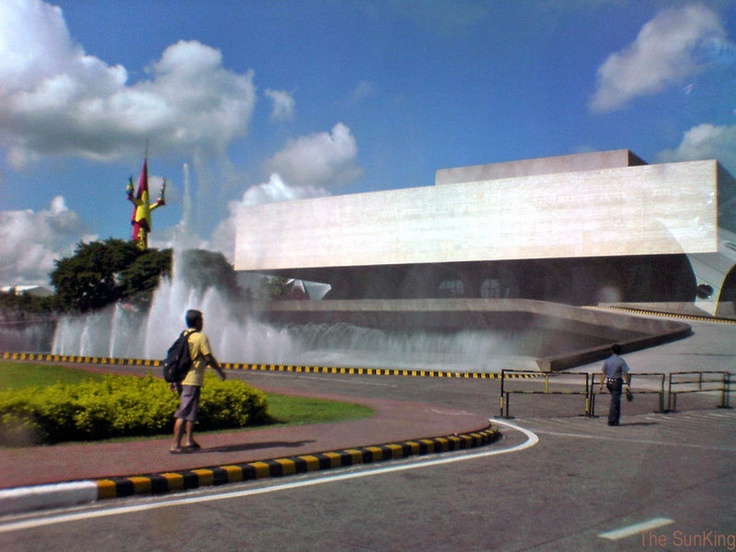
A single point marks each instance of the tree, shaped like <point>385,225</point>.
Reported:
<point>201,269</point>
<point>140,279</point>
<point>102,272</point>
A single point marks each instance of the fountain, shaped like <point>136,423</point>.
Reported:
<point>240,336</point>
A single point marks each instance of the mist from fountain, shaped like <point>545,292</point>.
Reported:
<point>122,331</point>
<point>239,337</point>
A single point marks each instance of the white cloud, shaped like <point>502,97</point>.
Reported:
<point>56,99</point>
<point>669,48</point>
<point>320,159</point>
<point>705,142</point>
<point>283,105</point>
<point>33,240</point>
<point>273,191</point>
<point>306,167</point>
<point>364,89</point>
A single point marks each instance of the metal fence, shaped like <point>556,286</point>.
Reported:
<point>523,382</point>
<point>699,382</point>
<point>585,385</point>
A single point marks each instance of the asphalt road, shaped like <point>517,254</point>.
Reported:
<point>658,482</point>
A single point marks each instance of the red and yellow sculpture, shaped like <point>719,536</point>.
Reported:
<point>141,219</point>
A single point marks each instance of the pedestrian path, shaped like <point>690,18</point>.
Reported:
<point>396,429</point>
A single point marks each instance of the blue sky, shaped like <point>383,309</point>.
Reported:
<point>277,100</point>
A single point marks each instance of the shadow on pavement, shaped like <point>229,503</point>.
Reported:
<point>254,446</point>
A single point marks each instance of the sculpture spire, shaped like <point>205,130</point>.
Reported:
<point>141,218</point>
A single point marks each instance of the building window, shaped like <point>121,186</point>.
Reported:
<point>490,289</point>
<point>451,288</point>
<point>705,291</point>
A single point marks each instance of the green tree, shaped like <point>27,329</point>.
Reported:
<point>25,307</point>
<point>140,279</point>
<point>102,272</point>
<point>201,269</point>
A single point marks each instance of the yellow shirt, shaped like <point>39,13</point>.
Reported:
<point>199,346</point>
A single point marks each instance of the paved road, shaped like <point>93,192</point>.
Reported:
<point>582,486</point>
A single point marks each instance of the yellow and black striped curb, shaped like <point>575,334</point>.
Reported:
<point>162,483</point>
<point>664,314</point>
<point>45,357</point>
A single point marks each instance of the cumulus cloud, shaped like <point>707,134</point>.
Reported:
<point>321,159</point>
<point>56,99</point>
<point>308,166</point>
<point>272,191</point>
<point>705,142</point>
<point>33,240</point>
<point>283,105</point>
<point>674,45</point>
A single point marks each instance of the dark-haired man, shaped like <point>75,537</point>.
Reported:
<point>190,387</point>
<point>614,374</point>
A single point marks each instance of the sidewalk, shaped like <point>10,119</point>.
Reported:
<point>29,476</point>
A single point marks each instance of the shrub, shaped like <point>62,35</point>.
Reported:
<point>119,406</point>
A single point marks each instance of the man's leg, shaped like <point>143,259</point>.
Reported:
<point>179,427</point>
<point>614,412</point>
<point>189,430</point>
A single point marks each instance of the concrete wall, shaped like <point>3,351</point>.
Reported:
<point>640,210</point>
<point>545,165</point>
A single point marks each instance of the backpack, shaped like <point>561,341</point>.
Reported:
<point>178,359</point>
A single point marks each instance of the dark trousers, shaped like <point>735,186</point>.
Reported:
<point>614,412</point>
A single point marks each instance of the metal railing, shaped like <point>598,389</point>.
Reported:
<point>659,388</point>
<point>531,386</point>
<point>585,384</point>
<point>699,382</point>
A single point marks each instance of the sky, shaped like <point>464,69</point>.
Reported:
<point>255,101</point>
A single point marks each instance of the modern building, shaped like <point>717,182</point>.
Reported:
<point>584,229</point>
<point>33,290</point>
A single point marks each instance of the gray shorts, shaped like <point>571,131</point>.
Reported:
<point>189,405</point>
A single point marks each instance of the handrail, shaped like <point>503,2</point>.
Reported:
<point>693,382</point>
<point>639,391</point>
<point>514,375</point>
<point>699,382</point>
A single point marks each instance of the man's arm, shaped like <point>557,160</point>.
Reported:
<point>212,362</point>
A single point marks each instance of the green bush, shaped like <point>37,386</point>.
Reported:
<point>119,406</point>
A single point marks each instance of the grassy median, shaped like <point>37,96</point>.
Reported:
<point>281,409</point>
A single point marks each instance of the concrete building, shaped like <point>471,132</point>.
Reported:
<point>584,229</point>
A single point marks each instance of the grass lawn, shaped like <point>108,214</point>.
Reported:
<point>16,375</point>
<point>286,409</point>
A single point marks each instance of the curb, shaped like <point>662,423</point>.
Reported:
<point>73,359</point>
<point>28,499</point>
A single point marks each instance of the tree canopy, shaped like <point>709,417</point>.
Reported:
<point>102,272</point>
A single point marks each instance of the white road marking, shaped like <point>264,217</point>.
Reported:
<point>531,440</point>
<point>636,529</point>
<point>642,441</point>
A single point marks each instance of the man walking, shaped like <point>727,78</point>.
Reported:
<point>186,414</point>
<point>615,373</point>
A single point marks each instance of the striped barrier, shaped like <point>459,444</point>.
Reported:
<point>662,314</point>
<point>45,357</point>
<point>161,483</point>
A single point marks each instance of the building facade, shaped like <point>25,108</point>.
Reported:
<point>602,227</point>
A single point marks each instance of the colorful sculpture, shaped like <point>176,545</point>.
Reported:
<point>141,219</point>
